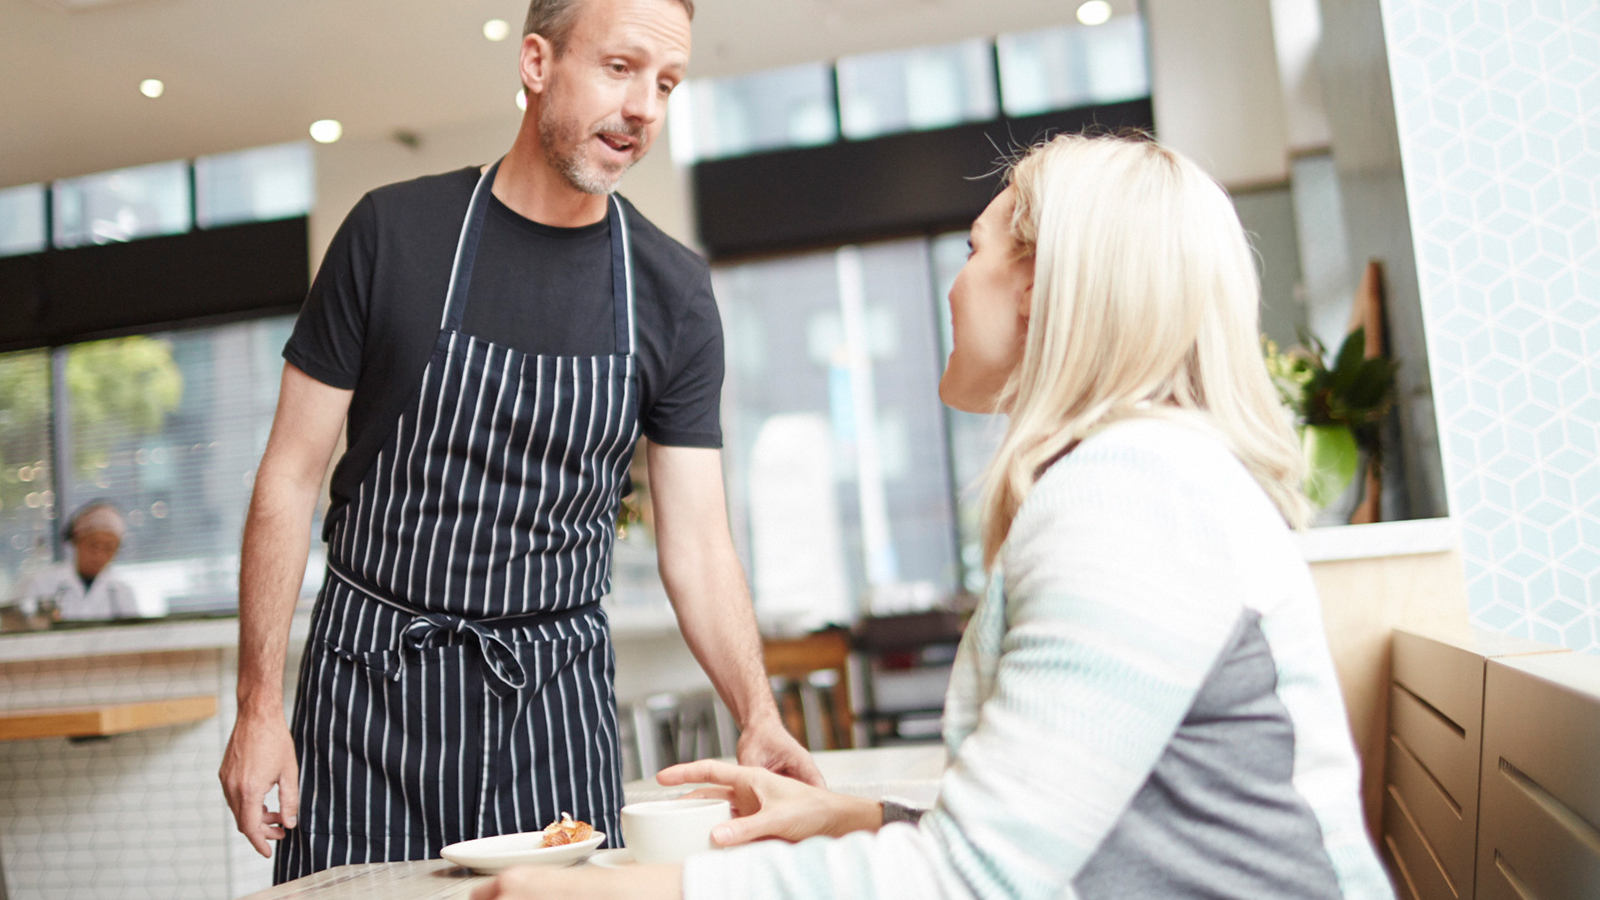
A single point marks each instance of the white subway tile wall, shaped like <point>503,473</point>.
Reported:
<point>138,815</point>
<point>1495,102</point>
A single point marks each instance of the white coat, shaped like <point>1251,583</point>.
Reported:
<point>108,598</point>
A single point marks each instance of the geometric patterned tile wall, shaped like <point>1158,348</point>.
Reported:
<point>1498,109</point>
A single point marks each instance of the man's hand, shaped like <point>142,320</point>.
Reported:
<point>768,745</point>
<point>766,805</point>
<point>261,754</point>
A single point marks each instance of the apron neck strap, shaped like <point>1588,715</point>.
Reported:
<point>621,276</point>
<point>455,301</point>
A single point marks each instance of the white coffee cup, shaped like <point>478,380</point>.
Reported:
<point>670,831</point>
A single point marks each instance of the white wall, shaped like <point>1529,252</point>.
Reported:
<point>1216,87</point>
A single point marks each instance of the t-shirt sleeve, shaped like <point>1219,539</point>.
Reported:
<point>688,411</point>
<point>329,335</point>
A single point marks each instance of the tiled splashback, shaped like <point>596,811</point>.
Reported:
<point>1498,108</point>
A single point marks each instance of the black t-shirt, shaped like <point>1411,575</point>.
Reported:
<point>372,318</point>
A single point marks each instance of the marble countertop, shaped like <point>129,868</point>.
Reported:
<point>1378,540</point>
<point>646,622</point>
<point>141,636</point>
<point>909,772</point>
<point>167,635</point>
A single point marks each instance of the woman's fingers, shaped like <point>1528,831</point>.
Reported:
<point>714,792</point>
<point>708,771</point>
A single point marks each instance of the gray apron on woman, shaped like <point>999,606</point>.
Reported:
<point>458,678</point>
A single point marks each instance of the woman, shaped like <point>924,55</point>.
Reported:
<point>1144,704</point>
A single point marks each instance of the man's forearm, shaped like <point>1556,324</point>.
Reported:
<point>277,538</point>
<point>719,624</point>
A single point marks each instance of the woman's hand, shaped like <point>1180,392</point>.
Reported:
<point>772,806</point>
<point>585,882</point>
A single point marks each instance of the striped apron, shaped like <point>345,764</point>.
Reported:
<point>458,678</point>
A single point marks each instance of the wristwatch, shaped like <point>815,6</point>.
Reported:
<point>894,811</point>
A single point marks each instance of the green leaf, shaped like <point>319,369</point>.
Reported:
<point>1348,364</point>
<point>1370,391</point>
<point>1331,460</point>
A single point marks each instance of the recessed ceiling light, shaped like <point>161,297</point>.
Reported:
<point>326,131</point>
<point>152,87</point>
<point>496,29</point>
<point>522,100</point>
<point>1095,12</point>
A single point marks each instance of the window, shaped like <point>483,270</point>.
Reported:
<point>27,496</point>
<point>1063,68</point>
<point>22,220</point>
<point>918,89</point>
<point>791,107</point>
<point>170,428</point>
<point>256,185</point>
<point>839,472</point>
<point>123,205</point>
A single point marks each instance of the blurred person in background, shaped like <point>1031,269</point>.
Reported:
<point>87,587</point>
<point>1144,706</point>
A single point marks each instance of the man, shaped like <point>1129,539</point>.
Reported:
<point>499,339</point>
<point>86,588</point>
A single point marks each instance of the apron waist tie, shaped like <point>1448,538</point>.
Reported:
<point>498,655</point>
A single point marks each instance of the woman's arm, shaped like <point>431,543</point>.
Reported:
<point>1117,604</point>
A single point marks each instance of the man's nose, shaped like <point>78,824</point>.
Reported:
<point>643,104</point>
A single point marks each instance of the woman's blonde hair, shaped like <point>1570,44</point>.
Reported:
<point>1145,304</point>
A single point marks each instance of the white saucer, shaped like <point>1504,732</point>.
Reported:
<point>613,859</point>
<point>490,855</point>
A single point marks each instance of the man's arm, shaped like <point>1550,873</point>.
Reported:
<point>706,585</point>
<point>277,537</point>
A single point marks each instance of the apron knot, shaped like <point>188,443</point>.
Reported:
<point>498,656</point>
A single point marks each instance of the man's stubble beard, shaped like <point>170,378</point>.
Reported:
<point>563,142</point>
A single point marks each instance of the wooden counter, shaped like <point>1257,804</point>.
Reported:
<point>103,720</point>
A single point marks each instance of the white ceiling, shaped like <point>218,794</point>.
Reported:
<point>241,73</point>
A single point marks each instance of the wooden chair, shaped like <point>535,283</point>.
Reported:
<point>812,683</point>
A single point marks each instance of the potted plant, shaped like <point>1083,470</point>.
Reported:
<point>1337,409</point>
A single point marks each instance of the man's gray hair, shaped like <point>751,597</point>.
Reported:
<point>555,19</point>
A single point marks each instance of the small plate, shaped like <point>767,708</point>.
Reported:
<point>490,855</point>
<point>613,859</point>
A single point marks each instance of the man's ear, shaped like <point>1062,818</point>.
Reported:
<point>537,57</point>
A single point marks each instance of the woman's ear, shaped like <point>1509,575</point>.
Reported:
<point>1026,299</point>
<point>537,55</point>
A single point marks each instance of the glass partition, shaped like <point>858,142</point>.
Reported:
<point>171,428</point>
<point>838,469</point>
<point>27,493</point>
<point>256,185</point>
<point>1064,68</point>
<point>122,205</point>
<point>918,89</point>
<point>973,438</point>
<point>22,220</point>
<point>716,118</point>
